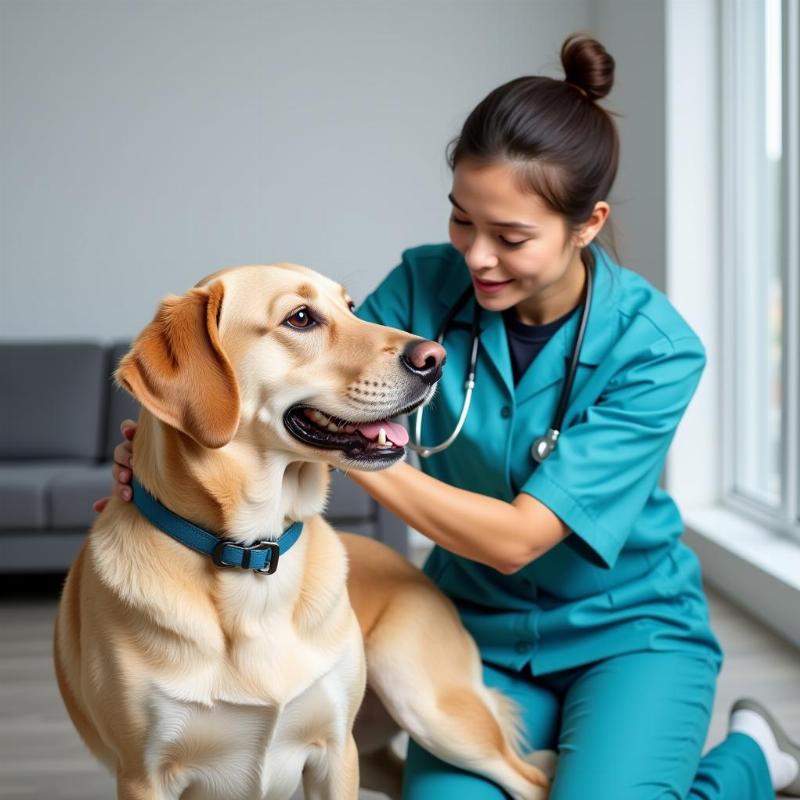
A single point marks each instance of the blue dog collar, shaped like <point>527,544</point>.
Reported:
<point>261,557</point>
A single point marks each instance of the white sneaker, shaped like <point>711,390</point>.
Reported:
<point>785,744</point>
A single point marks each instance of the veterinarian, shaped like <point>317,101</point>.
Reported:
<point>568,571</point>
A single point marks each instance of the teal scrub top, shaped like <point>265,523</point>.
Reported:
<point>621,581</point>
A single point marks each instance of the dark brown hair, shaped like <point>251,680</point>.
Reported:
<point>565,145</point>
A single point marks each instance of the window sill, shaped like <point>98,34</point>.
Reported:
<point>755,568</point>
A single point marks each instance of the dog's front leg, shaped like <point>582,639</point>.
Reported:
<point>333,776</point>
<point>138,787</point>
<point>137,790</point>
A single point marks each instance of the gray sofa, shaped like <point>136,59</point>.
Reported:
<point>59,424</point>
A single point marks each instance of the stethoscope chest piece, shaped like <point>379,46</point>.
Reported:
<point>544,445</point>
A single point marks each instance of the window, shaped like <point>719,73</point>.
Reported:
<point>761,259</point>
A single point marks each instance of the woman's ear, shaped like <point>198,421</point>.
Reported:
<point>179,372</point>
<point>597,219</point>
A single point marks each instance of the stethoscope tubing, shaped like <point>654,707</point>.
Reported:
<point>544,445</point>
<point>469,384</point>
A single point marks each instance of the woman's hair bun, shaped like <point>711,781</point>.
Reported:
<point>587,65</point>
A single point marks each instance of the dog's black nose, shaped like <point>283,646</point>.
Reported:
<point>425,359</point>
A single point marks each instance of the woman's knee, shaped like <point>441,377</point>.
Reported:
<point>633,728</point>
<point>426,777</point>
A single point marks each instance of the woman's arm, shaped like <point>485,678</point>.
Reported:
<point>505,536</point>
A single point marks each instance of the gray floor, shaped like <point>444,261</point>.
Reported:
<point>42,757</point>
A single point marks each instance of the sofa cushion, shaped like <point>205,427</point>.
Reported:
<point>73,492</point>
<point>25,492</point>
<point>120,404</point>
<point>52,403</point>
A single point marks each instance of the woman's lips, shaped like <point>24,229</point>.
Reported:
<point>489,287</point>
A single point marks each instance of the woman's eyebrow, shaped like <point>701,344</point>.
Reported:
<point>497,224</point>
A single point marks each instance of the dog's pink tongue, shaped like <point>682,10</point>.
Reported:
<point>395,433</point>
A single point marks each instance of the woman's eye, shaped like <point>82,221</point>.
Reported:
<point>509,243</point>
<point>458,221</point>
<point>301,319</point>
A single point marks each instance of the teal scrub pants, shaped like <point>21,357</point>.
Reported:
<point>631,727</point>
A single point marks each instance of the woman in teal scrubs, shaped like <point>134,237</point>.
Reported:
<point>570,574</point>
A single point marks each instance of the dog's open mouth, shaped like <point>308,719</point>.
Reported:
<point>374,441</point>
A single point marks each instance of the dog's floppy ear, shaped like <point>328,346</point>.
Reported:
<point>178,371</point>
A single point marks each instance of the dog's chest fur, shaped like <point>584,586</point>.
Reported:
<point>250,747</point>
<point>263,689</point>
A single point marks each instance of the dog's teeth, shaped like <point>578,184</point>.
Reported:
<point>320,418</point>
<point>349,428</point>
<point>382,437</point>
<point>333,428</point>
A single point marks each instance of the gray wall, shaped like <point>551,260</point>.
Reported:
<point>145,144</point>
<point>634,33</point>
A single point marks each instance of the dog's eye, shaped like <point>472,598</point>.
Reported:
<point>352,306</point>
<point>301,319</point>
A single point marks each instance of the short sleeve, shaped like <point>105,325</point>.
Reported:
<point>606,466</point>
<point>390,303</point>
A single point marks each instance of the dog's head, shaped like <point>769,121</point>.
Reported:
<point>274,356</point>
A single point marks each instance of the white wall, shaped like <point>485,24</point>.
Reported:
<point>693,257</point>
<point>145,144</point>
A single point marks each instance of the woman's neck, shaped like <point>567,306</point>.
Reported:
<point>557,299</point>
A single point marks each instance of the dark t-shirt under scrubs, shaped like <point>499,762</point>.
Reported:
<point>525,341</point>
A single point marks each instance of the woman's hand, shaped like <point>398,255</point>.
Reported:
<point>123,466</point>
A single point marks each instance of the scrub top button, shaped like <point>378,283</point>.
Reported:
<point>505,412</point>
<point>523,647</point>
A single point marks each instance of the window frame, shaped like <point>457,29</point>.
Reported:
<point>785,518</point>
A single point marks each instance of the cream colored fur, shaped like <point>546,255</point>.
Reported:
<point>198,682</point>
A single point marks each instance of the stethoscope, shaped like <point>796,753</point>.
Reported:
<point>544,445</point>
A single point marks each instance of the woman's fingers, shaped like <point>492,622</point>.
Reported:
<point>121,469</point>
<point>123,462</point>
<point>122,490</point>
<point>123,454</point>
<point>121,474</point>
<point>118,490</point>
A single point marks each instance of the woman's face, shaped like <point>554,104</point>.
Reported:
<point>516,248</point>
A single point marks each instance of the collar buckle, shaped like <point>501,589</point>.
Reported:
<point>270,565</point>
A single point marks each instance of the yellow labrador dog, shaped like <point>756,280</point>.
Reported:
<point>235,672</point>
